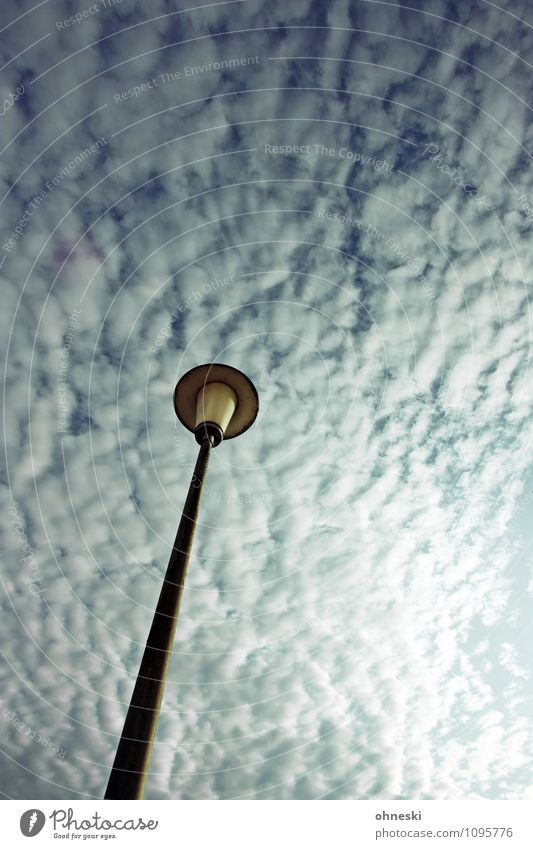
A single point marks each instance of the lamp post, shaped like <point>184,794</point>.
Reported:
<point>215,402</point>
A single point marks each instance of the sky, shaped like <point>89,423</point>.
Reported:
<point>337,199</point>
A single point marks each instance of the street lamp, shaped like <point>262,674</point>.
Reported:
<point>215,402</point>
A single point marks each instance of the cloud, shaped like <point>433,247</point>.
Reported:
<point>357,610</point>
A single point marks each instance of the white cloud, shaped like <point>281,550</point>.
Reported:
<point>355,619</point>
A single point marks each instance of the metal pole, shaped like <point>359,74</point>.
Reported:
<point>132,760</point>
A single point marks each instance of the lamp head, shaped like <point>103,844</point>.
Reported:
<point>216,402</point>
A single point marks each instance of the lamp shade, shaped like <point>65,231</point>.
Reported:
<point>215,402</point>
<point>216,394</point>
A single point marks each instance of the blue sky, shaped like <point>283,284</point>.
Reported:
<point>338,200</point>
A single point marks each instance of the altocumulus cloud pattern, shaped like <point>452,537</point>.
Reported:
<point>336,198</point>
